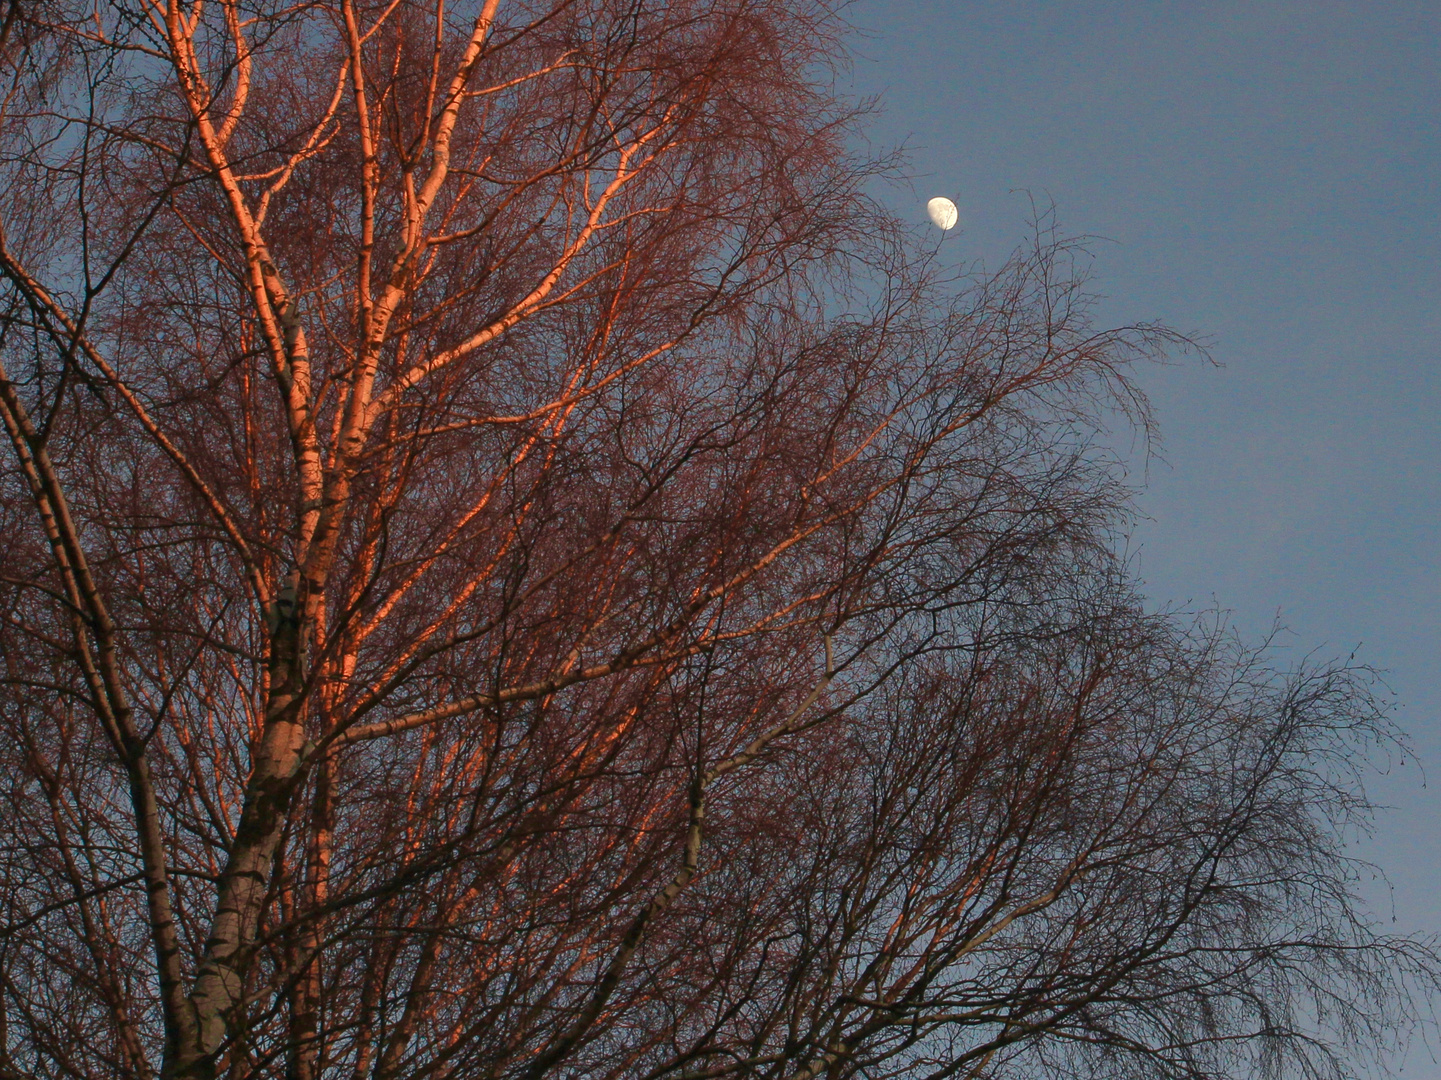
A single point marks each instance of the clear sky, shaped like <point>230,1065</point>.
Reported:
<point>1268,175</point>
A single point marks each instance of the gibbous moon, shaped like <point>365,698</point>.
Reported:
<point>943,213</point>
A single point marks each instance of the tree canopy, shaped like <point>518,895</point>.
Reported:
<point>515,564</point>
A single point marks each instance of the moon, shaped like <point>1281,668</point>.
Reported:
<point>943,213</point>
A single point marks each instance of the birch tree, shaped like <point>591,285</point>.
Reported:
<point>514,565</point>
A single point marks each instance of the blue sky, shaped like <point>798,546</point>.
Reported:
<point>1268,175</point>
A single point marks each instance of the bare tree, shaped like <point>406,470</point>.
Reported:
<point>514,566</point>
